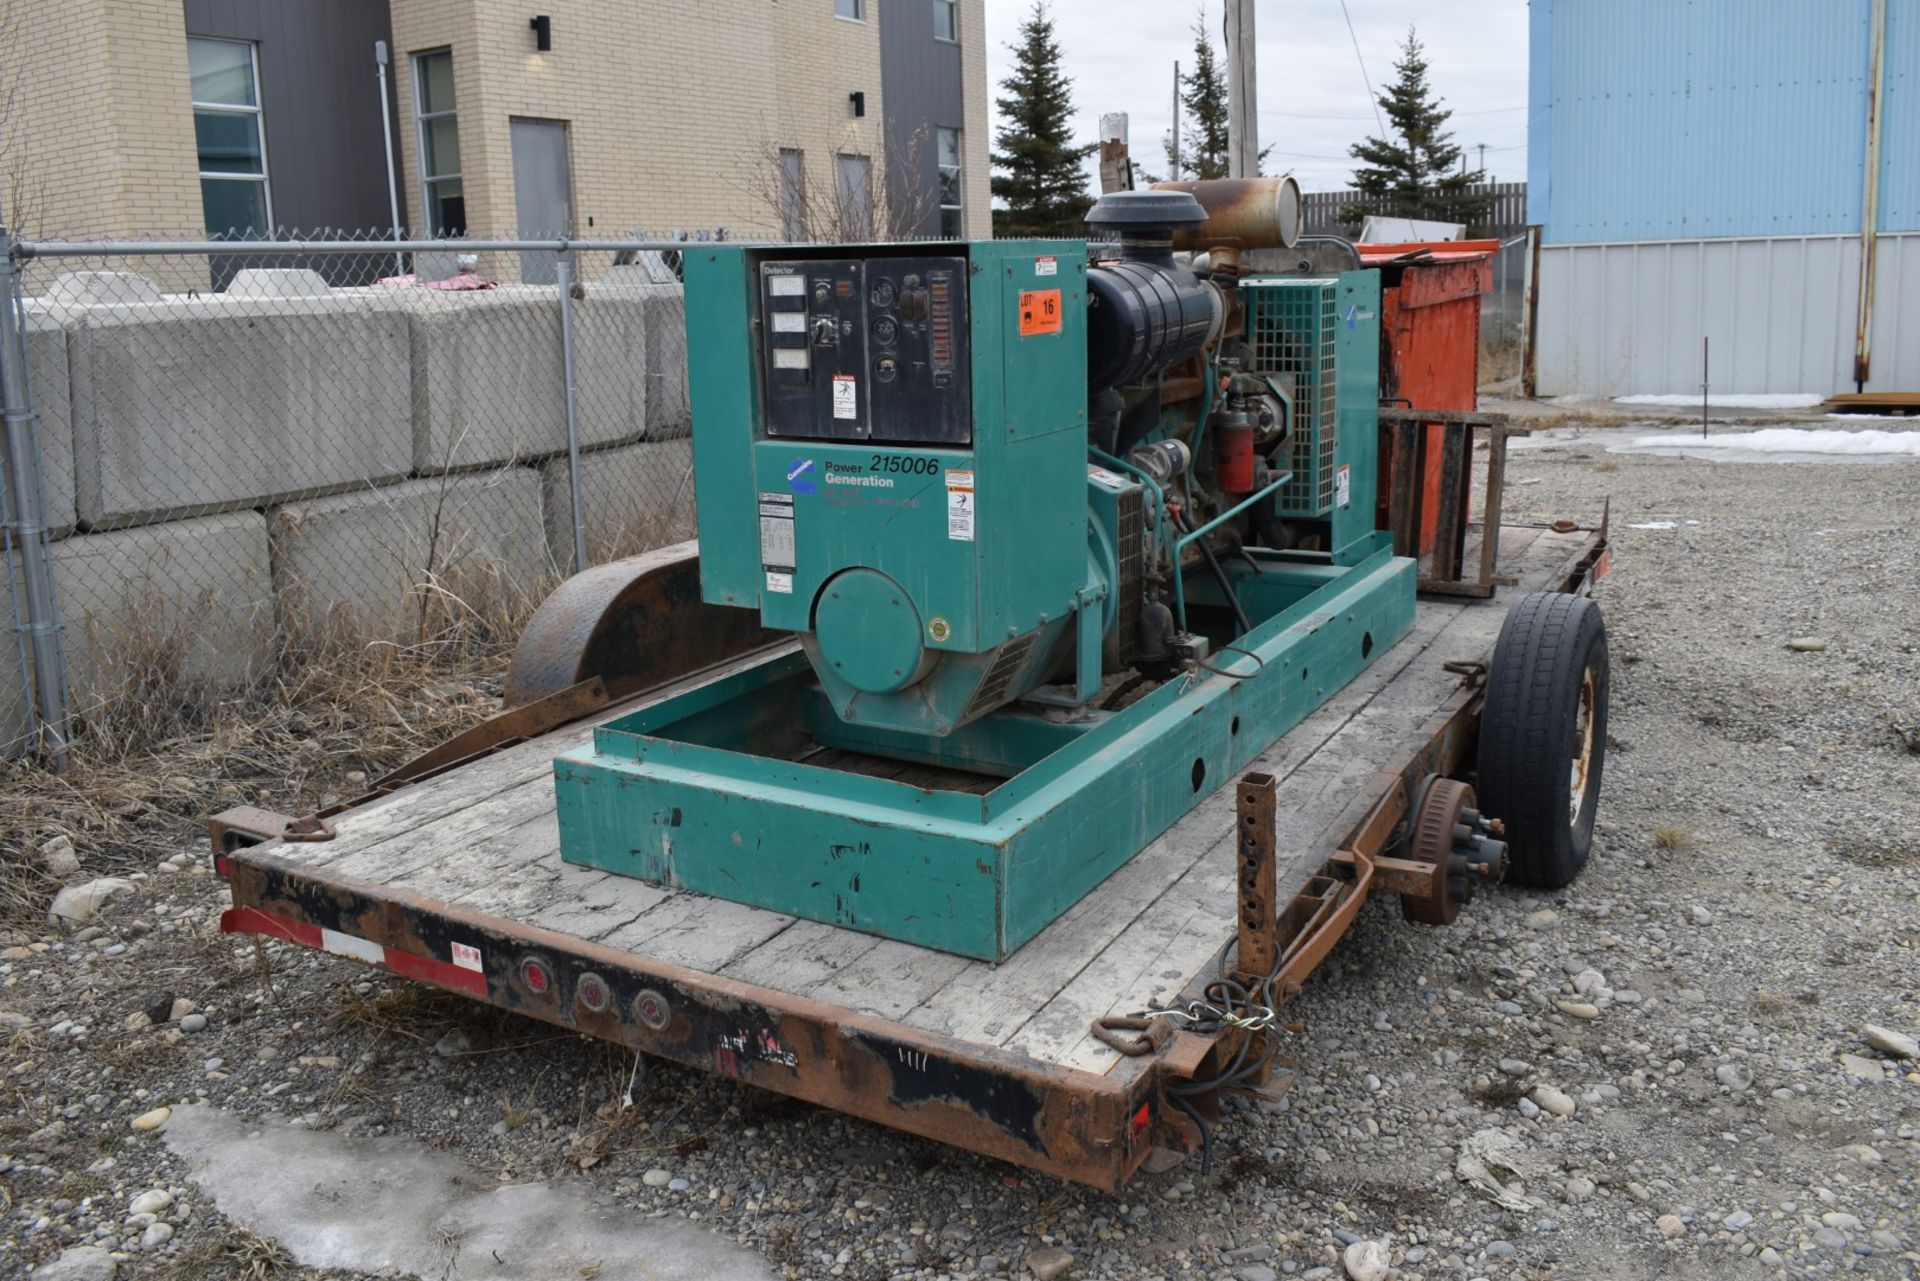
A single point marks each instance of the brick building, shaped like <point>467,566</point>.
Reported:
<point>812,118</point>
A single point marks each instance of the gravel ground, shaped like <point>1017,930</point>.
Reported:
<point>1673,1053</point>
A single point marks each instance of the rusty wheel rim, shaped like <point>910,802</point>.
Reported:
<point>1583,744</point>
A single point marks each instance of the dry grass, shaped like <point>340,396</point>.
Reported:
<point>230,1251</point>
<point>1608,464</point>
<point>1674,840</point>
<point>158,749</point>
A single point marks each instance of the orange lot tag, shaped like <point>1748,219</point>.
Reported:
<point>1039,312</point>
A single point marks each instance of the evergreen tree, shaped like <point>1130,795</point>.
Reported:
<point>1417,174</point>
<point>1203,113</point>
<point>1041,174</point>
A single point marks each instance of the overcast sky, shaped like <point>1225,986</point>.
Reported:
<point>1313,102</point>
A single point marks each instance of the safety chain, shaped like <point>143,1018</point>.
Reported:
<point>1206,1018</point>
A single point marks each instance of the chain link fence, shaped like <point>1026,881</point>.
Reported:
<point>226,460</point>
<point>1503,315</point>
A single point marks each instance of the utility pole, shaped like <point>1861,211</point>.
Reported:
<point>1243,116</point>
<point>1175,158</point>
<point>1483,162</point>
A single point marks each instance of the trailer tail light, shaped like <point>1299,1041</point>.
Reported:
<point>535,975</point>
<point>592,993</point>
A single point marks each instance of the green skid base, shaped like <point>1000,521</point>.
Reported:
<point>700,792</point>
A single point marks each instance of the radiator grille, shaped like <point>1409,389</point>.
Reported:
<point>1292,325</point>
<point>993,690</point>
<point>1133,570</point>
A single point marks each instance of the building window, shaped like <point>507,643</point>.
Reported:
<point>855,182</point>
<point>446,201</point>
<point>231,139</point>
<point>793,194</point>
<point>946,19</point>
<point>952,203</point>
<point>854,9</point>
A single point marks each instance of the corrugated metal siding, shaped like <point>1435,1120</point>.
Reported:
<point>1900,135</point>
<point>1620,320</point>
<point>321,103</point>
<point>1666,119</point>
<point>922,87</point>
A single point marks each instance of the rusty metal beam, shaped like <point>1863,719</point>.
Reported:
<point>1078,1125</point>
<point>1259,951</point>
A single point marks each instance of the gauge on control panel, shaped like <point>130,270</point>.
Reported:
<point>882,295</point>
<point>885,331</point>
<point>886,369</point>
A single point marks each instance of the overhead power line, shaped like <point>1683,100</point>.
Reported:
<point>1364,77</point>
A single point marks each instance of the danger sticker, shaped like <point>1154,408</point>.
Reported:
<point>467,957</point>
<point>960,515</point>
<point>846,396</point>
<point>1039,312</point>
<point>1047,265</point>
<point>1343,487</point>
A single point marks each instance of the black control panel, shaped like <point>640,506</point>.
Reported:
<point>867,349</point>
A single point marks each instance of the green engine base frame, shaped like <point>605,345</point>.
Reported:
<point>703,791</point>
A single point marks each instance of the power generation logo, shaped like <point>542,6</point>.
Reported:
<point>794,474</point>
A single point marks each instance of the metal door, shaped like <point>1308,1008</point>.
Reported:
<point>542,191</point>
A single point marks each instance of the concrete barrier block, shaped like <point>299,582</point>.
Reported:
<point>97,288</point>
<point>489,386</point>
<point>189,602</point>
<point>635,496</point>
<point>16,711</point>
<point>219,401</point>
<point>47,379</point>
<point>373,564</point>
<point>277,282</point>
<point>663,307</point>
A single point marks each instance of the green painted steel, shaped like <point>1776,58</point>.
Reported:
<point>994,592</point>
<point>957,607</point>
<point>694,792</point>
<point>1324,332</point>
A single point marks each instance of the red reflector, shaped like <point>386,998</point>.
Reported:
<point>536,976</point>
<point>1143,1118</point>
<point>592,992</point>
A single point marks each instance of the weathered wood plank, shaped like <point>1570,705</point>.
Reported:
<point>1313,796</point>
<point>1154,954</point>
<point>992,1003</point>
<point>698,932</point>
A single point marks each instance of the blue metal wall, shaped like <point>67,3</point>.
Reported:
<point>1686,119</point>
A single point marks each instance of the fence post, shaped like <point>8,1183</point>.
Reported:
<point>563,273</point>
<point>28,526</point>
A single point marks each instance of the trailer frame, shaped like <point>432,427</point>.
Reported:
<point>1091,1127</point>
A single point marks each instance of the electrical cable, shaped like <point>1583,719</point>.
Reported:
<point>1240,618</point>
<point>1364,77</point>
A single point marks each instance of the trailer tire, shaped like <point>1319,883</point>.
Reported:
<point>1543,735</point>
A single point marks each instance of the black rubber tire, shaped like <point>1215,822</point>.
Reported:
<point>1549,645</point>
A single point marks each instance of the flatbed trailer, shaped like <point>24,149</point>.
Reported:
<point>456,881</point>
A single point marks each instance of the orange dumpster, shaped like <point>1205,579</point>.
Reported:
<point>1429,344</point>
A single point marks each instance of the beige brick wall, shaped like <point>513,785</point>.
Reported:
<point>101,125</point>
<point>674,109</point>
<point>976,144</point>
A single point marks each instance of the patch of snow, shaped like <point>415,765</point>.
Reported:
<point>1656,524</point>
<point>1780,444</point>
<point>1730,400</point>
<point>392,1205</point>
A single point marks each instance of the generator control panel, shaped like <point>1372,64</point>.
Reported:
<point>866,349</point>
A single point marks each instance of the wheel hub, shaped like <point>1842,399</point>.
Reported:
<point>1460,846</point>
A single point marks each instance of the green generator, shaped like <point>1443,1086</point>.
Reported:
<point>1067,534</point>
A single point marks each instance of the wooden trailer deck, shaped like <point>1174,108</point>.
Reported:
<point>458,880</point>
